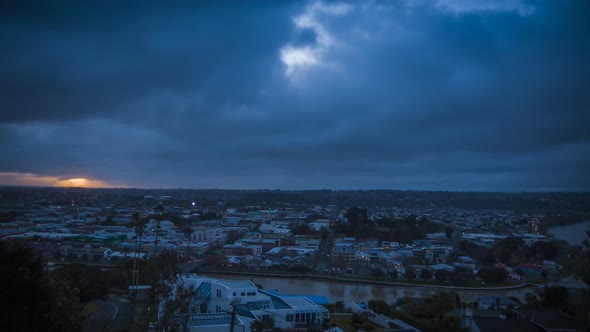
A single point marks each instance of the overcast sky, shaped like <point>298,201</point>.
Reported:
<point>407,94</point>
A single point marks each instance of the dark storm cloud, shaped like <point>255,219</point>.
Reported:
<point>75,61</point>
<point>416,94</point>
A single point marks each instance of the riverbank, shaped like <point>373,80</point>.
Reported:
<point>357,280</point>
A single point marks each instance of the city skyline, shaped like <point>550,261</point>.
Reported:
<point>402,95</point>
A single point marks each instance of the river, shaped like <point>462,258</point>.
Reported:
<point>345,291</point>
<point>574,234</point>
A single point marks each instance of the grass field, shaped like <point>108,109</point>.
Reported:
<point>341,320</point>
<point>90,309</point>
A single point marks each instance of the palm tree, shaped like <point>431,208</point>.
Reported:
<point>157,234</point>
<point>138,240</point>
<point>159,208</point>
<point>188,243</point>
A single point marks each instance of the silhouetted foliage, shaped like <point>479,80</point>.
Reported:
<point>360,321</point>
<point>65,307</point>
<point>377,272</point>
<point>441,275</point>
<point>401,230</point>
<point>506,250</point>
<point>93,283</point>
<point>425,274</point>
<point>302,230</point>
<point>25,297</point>
<point>358,218</point>
<point>461,275</point>
<point>410,274</point>
<point>31,301</point>
<point>540,250</point>
<point>299,267</point>
<point>393,274</point>
<point>554,296</point>
<point>492,275</point>
<point>380,307</point>
<point>582,268</point>
<point>449,231</point>
<point>257,326</point>
<point>433,311</point>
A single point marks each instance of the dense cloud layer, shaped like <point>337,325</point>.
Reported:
<point>403,95</point>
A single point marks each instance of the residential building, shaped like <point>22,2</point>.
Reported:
<point>466,261</point>
<point>240,249</point>
<point>286,312</point>
<point>530,269</point>
<point>192,249</point>
<point>343,252</point>
<point>551,265</point>
<point>209,234</point>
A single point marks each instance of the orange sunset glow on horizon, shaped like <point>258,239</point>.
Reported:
<point>81,182</point>
<point>31,179</point>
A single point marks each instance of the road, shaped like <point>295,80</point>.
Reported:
<point>112,314</point>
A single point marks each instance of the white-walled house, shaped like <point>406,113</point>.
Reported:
<point>215,295</point>
<point>209,234</point>
<point>551,265</point>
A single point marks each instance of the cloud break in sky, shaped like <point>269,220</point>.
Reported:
<point>414,94</point>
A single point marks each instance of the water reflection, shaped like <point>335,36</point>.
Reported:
<point>376,292</point>
<point>406,293</point>
<point>358,293</point>
<point>342,291</point>
<point>336,289</point>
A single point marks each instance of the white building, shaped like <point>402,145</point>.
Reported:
<point>275,228</point>
<point>209,234</point>
<point>215,295</point>
<point>319,224</point>
<point>192,249</point>
<point>551,265</point>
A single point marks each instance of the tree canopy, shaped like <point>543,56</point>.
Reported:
<point>30,299</point>
<point>583,266</point>
<point>492,275</point>
<point>401,230</point>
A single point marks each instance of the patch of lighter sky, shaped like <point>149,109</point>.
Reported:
<point>296,58</point>
<point>299,58</point>
<point>469,6</point>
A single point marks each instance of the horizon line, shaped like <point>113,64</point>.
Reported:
<point>507,191</point>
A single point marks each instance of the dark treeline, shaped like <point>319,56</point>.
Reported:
<point>393,229</point>
<point>557,202</point>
